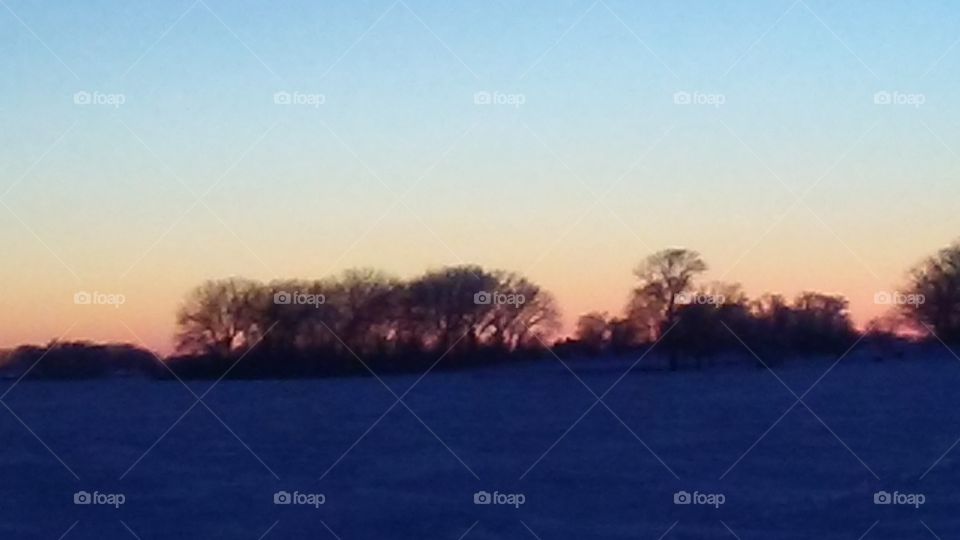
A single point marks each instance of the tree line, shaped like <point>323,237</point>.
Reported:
<point>363,319</point>
<point>698,321</point>
<point>366,320</point>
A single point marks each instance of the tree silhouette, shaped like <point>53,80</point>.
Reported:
<point>936,281</point>
<point>218,317</point>
<point>821,323</point>
<point>366,304</point>
<point>469,307</point>
<point>442,306</point>
<point>663,278</point>
<point>593,331</point>
<point>527,323</point>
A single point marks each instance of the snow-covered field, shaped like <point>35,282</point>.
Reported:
<point>735,435</point>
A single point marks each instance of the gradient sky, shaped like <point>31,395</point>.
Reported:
<point>597,167</point>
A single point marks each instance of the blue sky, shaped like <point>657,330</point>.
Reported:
<point>101,197</point>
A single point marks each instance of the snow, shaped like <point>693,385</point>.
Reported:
<point>874,426</point>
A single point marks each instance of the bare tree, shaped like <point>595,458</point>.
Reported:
<point>446,306</point>
<point>625,333</point>
<point>522,314</point>
<point>593,331</point>
<point>644,316</point>
<point>218,317</point>
<point>821,322</point>
<point>934,284</point>
<point>663,278</point>
<point>470,307</point>
<point>298,313</point>
<point>367,304</point>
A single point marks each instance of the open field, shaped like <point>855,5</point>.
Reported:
<point>414,473</point>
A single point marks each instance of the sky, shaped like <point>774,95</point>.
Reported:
<point>146,147</point>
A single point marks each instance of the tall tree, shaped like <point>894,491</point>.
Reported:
<point>663,278</point>
<point>446,306</point>
<point>936,281</point>
<point>366,303</point>
<point>218,317</point>
<point>523,314</point>
<point>593,331</point>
